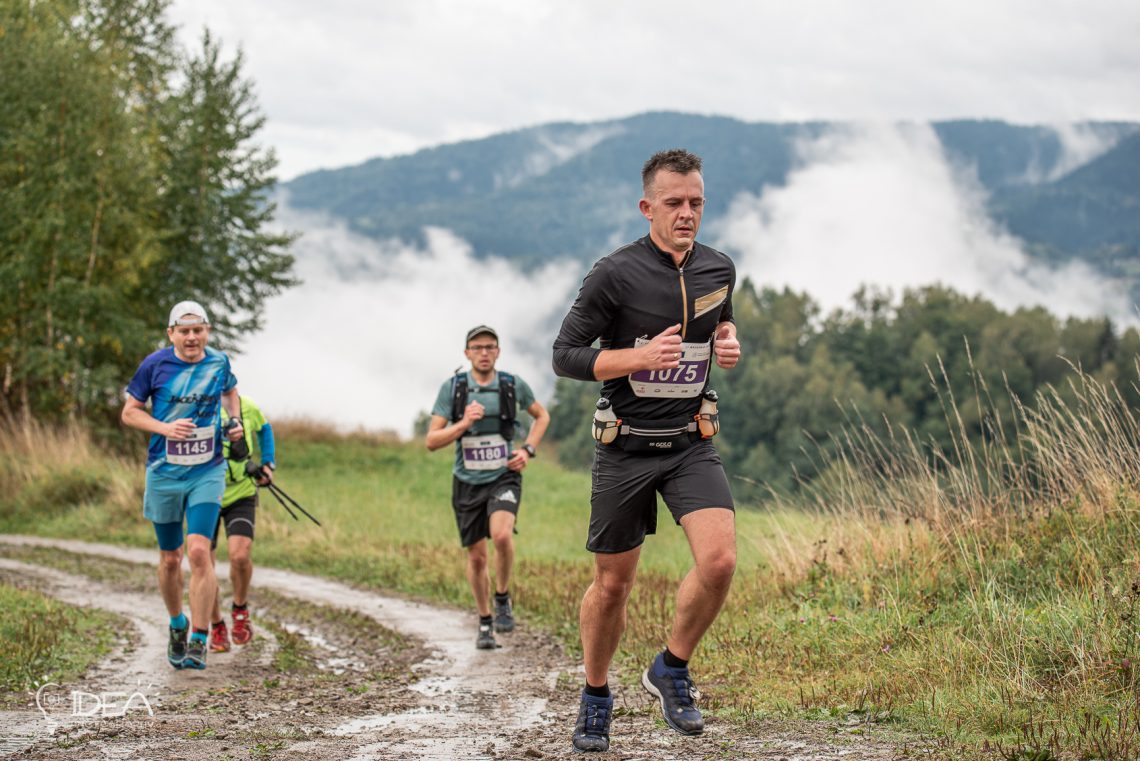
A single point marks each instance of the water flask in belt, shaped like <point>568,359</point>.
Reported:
<point>606,423</point>
<point>708,419</point>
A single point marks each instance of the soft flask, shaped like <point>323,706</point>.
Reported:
<point>606,423</point>
<point>708,419</point>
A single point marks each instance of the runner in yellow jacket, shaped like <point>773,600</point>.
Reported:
<point>239,507</point>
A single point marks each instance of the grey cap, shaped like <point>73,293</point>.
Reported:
<point>479,330</point>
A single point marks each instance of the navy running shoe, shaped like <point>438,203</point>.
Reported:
<point>504,616</point>
<point>675,690</point>
<point>485,639</point>
<point>196,651</point>
<point>592,732</point>
<point>176,647</point>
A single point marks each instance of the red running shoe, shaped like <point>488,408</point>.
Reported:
<point>219,637</point>
<point>243,629</point>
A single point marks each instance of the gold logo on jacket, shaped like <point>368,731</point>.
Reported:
<point>707,303</point>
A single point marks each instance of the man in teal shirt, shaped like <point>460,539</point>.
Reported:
<point>487,477</point>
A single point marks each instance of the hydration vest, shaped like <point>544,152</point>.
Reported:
<point>507,401</point>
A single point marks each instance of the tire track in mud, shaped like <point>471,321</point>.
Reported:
<point>135,676</point>
<point>460,703</point>
<point>469,703</point>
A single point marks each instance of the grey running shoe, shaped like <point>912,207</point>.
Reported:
<point>176,647</point>
<point>592,732</point>
<point>196,651</point>
<point>675,690</point>
<point>504,616</point>
<point>486,637</point>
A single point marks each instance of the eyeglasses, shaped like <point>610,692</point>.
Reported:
<point>483,347</point>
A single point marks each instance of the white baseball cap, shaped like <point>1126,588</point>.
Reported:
<point>183,308</point>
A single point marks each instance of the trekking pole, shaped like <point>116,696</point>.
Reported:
<point>278,492</point>
<point>258,472</point>
<point>291,513</point>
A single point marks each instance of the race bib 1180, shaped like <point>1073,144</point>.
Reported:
<point>197,449</point>
<point>687,379</point>
<point>485,452</point>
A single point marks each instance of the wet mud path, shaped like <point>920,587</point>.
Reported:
<point>393,679</point>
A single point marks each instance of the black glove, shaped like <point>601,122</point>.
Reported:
<point>239,450</point>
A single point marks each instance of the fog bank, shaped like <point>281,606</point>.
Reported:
<point>881,204</point>
<point>375,328</point>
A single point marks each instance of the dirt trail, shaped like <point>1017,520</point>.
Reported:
<point>459,702</point>
<point>134,677</point>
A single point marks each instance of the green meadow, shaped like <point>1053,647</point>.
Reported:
<point>985,597</point>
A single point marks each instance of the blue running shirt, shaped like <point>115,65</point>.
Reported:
<point>178,389</point>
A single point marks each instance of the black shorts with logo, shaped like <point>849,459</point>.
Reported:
<point>474,503</point>
<point>238,519</point>
<point>623,501</point>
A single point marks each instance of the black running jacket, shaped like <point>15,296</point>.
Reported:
<point>632,295</point>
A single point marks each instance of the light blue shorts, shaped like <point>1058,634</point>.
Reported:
<point>197,498</point>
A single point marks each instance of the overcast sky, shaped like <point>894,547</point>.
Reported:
<point>342,81</point>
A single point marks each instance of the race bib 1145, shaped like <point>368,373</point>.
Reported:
<point>197,449</point>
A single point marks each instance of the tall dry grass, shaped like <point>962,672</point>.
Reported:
<point>882,493</point>
<point>49,470</point>
<point>1006,567</point>
<point>314,430</point>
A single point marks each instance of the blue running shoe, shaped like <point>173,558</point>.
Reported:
<point>176,647</point>
<point>675,690</point>
<point>196,651</point>
<point>592,732</point>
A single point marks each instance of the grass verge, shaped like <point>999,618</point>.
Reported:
<point>44,640</point>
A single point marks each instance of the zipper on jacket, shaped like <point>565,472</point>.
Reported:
<point>684,294</point>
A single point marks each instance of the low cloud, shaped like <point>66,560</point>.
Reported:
<point>376,328</point>
<point>1080,144</point>
<point>555,147</point>
<point>881,204</point>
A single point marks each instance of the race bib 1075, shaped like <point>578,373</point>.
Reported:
<point>687,379</point>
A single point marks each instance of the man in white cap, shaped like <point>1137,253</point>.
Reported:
<point>186,384</point>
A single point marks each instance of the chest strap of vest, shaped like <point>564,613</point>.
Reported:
<point>508,401</point>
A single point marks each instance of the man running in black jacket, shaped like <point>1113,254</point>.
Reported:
<point>662,309</point>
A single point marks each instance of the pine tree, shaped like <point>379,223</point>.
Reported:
<point>214,209</point>
<point>115,185</point>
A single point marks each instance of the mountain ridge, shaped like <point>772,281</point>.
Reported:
<point>565,189</point>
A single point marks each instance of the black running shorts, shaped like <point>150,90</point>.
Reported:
<point>238,519</point>
<point>474,503</point>
<point>623,501</point>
